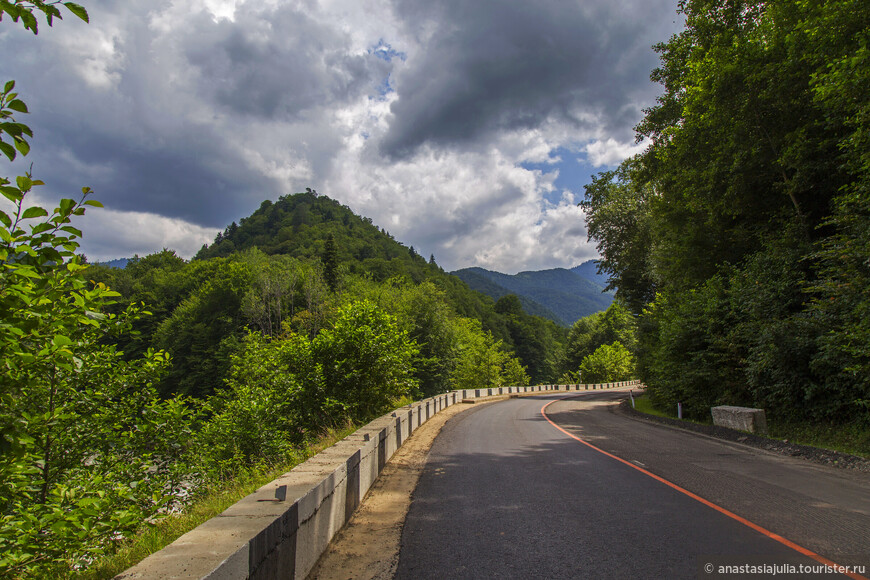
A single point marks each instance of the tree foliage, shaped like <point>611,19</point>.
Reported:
<point>609,363</point>
<point>616,324</point>
<point>87,449</point>
<point>740,235</point>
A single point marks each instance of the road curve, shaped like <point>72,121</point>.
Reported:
<point>507,494</point>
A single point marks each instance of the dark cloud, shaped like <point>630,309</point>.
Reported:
<point>278,63</point>
<point>165,108</point>
<point>194,177</point>
<point>499,64</point>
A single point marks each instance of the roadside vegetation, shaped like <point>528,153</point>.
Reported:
<point>850,439</point>
<point>602,347</point>
<point>209,502</point>
<point>739,240</point>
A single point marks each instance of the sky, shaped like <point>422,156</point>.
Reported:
<point>465,128</point>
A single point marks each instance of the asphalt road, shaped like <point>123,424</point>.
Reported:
<point>507,494</point>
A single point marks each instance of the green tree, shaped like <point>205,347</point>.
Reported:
<point>609,363</point>
<point>533,339</point>
<point>483,361</point>
<point>88,450</point>
<point>616,324</point>
<point>367,361</point>
<point>261,413</point>
<point>747,213</point>
<point>203,331</point>
<point>330,264</point>
<point>618,217</point>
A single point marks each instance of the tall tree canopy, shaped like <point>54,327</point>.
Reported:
<point>741,233</point>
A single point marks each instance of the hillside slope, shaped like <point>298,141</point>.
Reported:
<point>298,225</point>
<point>566,294</point>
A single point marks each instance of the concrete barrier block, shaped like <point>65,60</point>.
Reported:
<point>740,418</point>
<point>226,557</point>
<point>368,466</point>
<point>321,515</point>
<point>318,495</point>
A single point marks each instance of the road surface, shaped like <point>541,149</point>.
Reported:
<point>510,492</point>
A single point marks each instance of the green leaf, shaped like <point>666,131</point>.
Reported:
<point>29,21</point>
<point>33,212</point>
<point>22,145</point>
<point>5,219</point>
<point>78,11</point>
<point>8,150</point>
<point>72,230</point>
<point>18,105</point>
<point>12,194</point>
<point>94,203</point>
<point>9,86</point>
<point>66,205</point>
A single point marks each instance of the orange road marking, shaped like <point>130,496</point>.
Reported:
<point>730,514</point>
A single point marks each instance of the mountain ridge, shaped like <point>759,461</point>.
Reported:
<point>560,294</point>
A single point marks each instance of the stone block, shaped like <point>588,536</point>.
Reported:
<point>740,418</point>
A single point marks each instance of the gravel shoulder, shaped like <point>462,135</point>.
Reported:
<point>368,546</point>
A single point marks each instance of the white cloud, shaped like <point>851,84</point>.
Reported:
<point>609,152</point>
<point>112,234</point>
<point>467,208</point>
<point>184,115</point>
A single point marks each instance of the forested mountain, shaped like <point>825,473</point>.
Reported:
<point>292,262</point>
<point>589,270</point>
<point>118,263</point>
<point>558,294</point>
<point>479,280</point>
<point>299,226</point>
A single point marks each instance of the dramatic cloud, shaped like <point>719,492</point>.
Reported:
<point>467,129</point>
<point>490,66</point>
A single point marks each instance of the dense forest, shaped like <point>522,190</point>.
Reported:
<point>123,386</point>
<point>740,238</point>
<point>287,268</point>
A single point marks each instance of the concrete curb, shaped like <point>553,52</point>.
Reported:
<point>262,538</point>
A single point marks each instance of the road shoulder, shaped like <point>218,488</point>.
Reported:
<point>368,546</point>
<point>822,456</point>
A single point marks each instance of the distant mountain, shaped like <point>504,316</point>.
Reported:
<point>480,280</point>
<point>558,294</point>
<point>589,270</point>
<point>119,263</point>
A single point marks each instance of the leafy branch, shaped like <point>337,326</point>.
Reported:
<point>22,11</point>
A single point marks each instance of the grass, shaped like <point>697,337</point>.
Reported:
<point>851,439</point>
<point>213,501</point>
<point>644,405</point>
